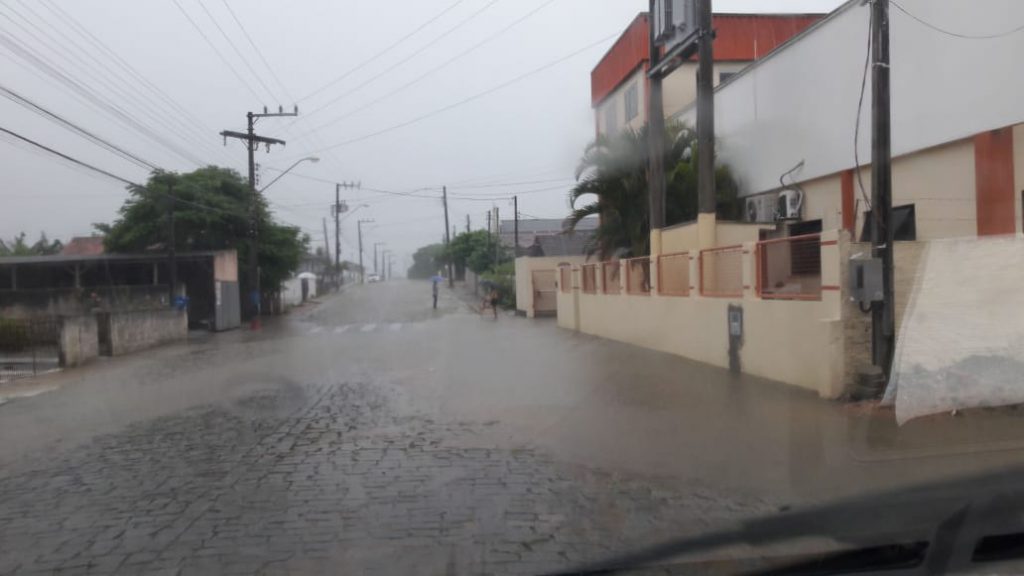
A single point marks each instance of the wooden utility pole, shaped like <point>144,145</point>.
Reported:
<point>253,141</point>
<point>447,236</point>
<point>882,320</point>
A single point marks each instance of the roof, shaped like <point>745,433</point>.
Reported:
<point>571,244</point>
<point>738,38</point>
<point>83,246</point>
<point>549,225</point>
<point>66,259</point>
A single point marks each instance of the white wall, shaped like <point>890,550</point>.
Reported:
<point>800,102</point>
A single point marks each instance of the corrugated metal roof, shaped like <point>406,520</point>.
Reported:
<point>552,225</point>
<point>66,258</point>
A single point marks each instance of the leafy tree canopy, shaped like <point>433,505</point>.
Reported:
<point>426,261</point>
<point>17,246</point>
<point>476,250</point>
<point>211,212</point>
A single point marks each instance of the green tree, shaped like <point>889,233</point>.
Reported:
<point>612,180</point>
<point>211,212</point>
<point>476,250</point>
<point>427,261</point>
<point>17,246</point>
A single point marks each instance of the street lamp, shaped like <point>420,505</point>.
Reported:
<point>312,159</point>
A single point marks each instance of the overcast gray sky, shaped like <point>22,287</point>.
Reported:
<point>395,123</point>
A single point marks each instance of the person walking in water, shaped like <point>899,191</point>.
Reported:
<point>492,299</point>
<point>435,288</point>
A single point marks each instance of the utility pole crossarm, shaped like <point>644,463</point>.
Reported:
<point>255,138</point>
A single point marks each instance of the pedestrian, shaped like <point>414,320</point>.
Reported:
<point>492,298</point>
<point>435,283</point>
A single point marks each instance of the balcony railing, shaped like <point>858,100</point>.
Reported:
<point>674,274</point>
<point>721,272</point>
<point>789,268</point>
<point>638,276</point>
<point>610,277</point>
<point>588,273</point>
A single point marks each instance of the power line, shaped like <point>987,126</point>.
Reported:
<point>19,99</point>
<point>259,52</point>
<point>956,34</point>
<point>476,96</point>
<point>860,110</point>
<point>238,52</point>
<point>389,48</point>
<point>216,50</point>
<point>66,157</point>
<point>179,113</point>
<point>507,184</point>
<point>414,55</point>
<point>54,71</point>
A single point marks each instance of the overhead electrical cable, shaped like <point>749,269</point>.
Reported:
<point>245,61</point>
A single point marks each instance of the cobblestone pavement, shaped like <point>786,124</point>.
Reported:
<point>327,478</point>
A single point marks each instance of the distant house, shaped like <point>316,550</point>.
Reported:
<point>83,246</point>
<point>574,244</point>
<point>534,227</point>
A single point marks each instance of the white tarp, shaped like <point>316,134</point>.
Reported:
<point>961,343</point>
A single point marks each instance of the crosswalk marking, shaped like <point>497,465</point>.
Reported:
<point>368,327</point>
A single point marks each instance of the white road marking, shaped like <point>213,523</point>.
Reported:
<point>316,329</point>
<point>368,327</point>
<point>396,326</point>
<point>342,329</point>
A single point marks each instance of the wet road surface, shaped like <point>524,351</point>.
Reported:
<point>370,434</point>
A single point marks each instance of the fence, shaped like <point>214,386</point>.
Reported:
<point>789,268</point>
<point>674,274</point>
<point>565,279</point>
<point>610,277</point>
<point>721,272</point>
<point>28,346</point>
<point>589,273</point>
<point>638,276</point>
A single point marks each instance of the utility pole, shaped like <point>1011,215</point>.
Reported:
<point>252,141</point>
<point>172,258</point>
<point>497,233</point>
<point>384,254</point>
<point>362,270</point>
<point>515,208</point>
<point>467,223</point>
<point>488,222</point>
<point>883,329</point>
<point>447,237</point>
<point>340,207</point>
<point>705,114</point>
<point>327,249</point>
<point>656,132</point>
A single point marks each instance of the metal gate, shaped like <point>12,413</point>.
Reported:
<point>545,293</point>
<point>28,346</point>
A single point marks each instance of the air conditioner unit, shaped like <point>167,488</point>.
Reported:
<point>789,204</point>
<point>760,208</point>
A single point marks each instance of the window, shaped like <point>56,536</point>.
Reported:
<point>904,224</point>
<point>611,118</point>
<point>632,102</point>
<point>724,77</point>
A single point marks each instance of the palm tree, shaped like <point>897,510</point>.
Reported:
<point>614,170</point>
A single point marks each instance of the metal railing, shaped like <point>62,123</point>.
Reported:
<point>638,275</point>
<point>674,274</point>
<point>721,272</point>
<point>610,272</point>
<point>565,279</point>
<point>28,346</point>
<point>789,268</point>
<point>588,273</point>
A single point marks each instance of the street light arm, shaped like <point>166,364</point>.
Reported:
<point>289,169</point>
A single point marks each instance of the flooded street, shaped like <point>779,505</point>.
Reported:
<point>370,434</point>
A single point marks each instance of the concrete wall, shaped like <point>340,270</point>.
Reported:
<point>680,88</point>
<point>617,100</point>
<point>134,331</point>
<point>525,266</point>
<point>78,340</point>
<point>797,342</point>
<point>79,301</point>
<point>1018,174</point>
<point>225,266</point>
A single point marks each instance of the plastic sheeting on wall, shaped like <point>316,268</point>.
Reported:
<point>961,343</point>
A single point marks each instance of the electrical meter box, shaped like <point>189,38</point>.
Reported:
<point>865,279</point>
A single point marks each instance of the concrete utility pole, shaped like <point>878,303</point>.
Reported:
<point>362,270</point>
<point>252,141</point>
<point>447,236</point>
<point>488,221</point>
<point>656,132</point>
<point>340,207</point>
<point>883,330</point>
<point>705,111</point>
<point>467,223</point>
<point>384,254</point>
<point>172,258</point>
<point>515,208</point>
<point>497,233</point>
